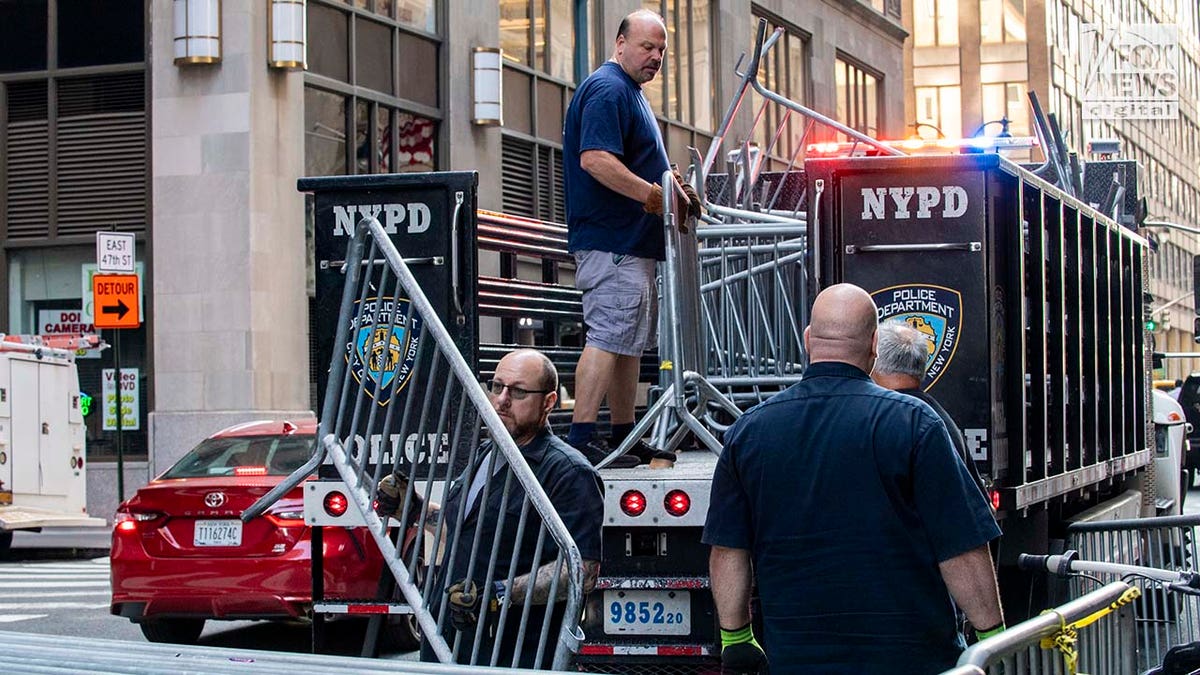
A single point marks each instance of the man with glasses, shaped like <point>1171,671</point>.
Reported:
<point>523,392</point>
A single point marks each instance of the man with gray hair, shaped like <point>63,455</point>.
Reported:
<point>900,366</point>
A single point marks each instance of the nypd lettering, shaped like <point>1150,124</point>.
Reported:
<point>415,216</point>
<point>897,203</point>
<point>934,311</point>
<point>383,346</point>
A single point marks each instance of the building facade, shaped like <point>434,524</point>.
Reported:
<point>103,130</point>
<point>971,65</point>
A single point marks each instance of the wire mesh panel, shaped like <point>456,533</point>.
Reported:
<point>432,435</point>
<point>1163,618</point>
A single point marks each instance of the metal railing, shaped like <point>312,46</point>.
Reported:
<point>402,400</point>
<point>33,653</point>
<point>1103,645</point>
<point>1164,618</point>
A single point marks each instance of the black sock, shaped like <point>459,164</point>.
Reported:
<point>620,432</point>
<point>581,433</point>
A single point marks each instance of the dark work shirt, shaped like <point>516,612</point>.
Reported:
<point>609,113</point>
<point>575,490</point>
<point>956,434</point>
<point>847,496</point>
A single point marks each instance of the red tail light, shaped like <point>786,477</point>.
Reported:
<point>336,504</point>
<point>677,503</point>
<point>250,471</point>
<point>633,503</point>
<point>286,517</point>
<point>130,522</point>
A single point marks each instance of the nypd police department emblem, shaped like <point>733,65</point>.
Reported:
<point>382,351</point>
<point>934,311</point>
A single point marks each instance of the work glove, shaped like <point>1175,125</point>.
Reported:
<point>464,599</point>
<point>695,207</point>
<point>654,202</point>
<point>389,498</point>
<point>741,653</point>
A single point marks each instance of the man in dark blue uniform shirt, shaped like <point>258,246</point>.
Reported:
<point>613,160</point>
<point>523,392</point>
<point>848,505</point>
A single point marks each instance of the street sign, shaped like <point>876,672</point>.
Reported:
<point>116,300</point>
<point>114,252</point>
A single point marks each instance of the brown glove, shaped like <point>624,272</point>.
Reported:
<point>695,208</point>
<point>389,500</point>
<point>654,201</point>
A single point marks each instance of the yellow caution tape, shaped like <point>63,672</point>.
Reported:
<point>1068,634</point>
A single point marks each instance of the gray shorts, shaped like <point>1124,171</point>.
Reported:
<point>620,301</point>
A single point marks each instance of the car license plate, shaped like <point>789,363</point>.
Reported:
<point>647,612</point>
<point>218,533</point>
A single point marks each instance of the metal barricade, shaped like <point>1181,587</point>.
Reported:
<point>34,653</point>
<point>430,428</point>
<point>1164,618</point>
<point>1103,639</point>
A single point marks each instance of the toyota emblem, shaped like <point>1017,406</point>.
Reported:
<point>214,499</point>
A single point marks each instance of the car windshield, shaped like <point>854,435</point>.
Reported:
<point>244,456</point>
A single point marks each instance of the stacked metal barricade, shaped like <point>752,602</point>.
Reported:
<point>433,430</point>
<point>1164,618</point>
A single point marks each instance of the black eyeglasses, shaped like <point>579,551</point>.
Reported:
<point>516,393</point>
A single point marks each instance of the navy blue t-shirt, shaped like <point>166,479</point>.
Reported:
<point>610,113</point>
<point>848,496</point>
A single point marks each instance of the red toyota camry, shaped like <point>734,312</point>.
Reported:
<point>181,555</point>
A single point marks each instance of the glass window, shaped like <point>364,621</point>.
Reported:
<point>417,138</point>
<point>419,14</point>
<point>373,55</point>
<point>97,32</point>
<point>418,81</point>
<point>783,72</point>
<point>935,22</point>
<point>857,97</point>
<point>22,35</point>
<point>514,30</point>
<point>1002,20</point>
<point>328,42</point>
<point>561,30</point>
<point>324,133</point>
<point>939,107</point>
<point>686,75</point>
<point>1005,101</point>
<point>244,455</point>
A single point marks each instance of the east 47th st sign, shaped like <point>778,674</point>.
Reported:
<point>116,300</point>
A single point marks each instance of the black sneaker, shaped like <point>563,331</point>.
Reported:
<point>647,454</point>
<point>596,450</point>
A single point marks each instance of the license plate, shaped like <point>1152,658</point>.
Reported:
<point>218,533</point>
<point>647,612</point>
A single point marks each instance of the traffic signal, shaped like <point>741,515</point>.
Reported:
<point>1152,324</point>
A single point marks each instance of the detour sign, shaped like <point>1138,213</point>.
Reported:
<point>115,298</point>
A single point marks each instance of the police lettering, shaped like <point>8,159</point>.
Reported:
<point>389,215</point>
<point>951,198</point>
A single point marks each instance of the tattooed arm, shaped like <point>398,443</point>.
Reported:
<point>544,578</point>
<point>431,517</point>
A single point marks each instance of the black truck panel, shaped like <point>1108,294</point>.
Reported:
<point>1032,302</point>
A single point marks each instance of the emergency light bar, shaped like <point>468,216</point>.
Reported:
<point>924,146</point>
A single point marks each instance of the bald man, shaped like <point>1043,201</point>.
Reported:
<point>847,503</point>
<point>613,160</point>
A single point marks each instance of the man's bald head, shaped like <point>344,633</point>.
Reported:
<point>842,327</point>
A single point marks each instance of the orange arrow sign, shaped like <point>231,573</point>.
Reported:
<point>115,299</point>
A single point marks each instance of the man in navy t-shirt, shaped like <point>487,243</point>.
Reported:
<point>849,506</point>
<point>613,161</point>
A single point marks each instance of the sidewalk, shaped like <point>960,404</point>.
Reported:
<point>66,537</point>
